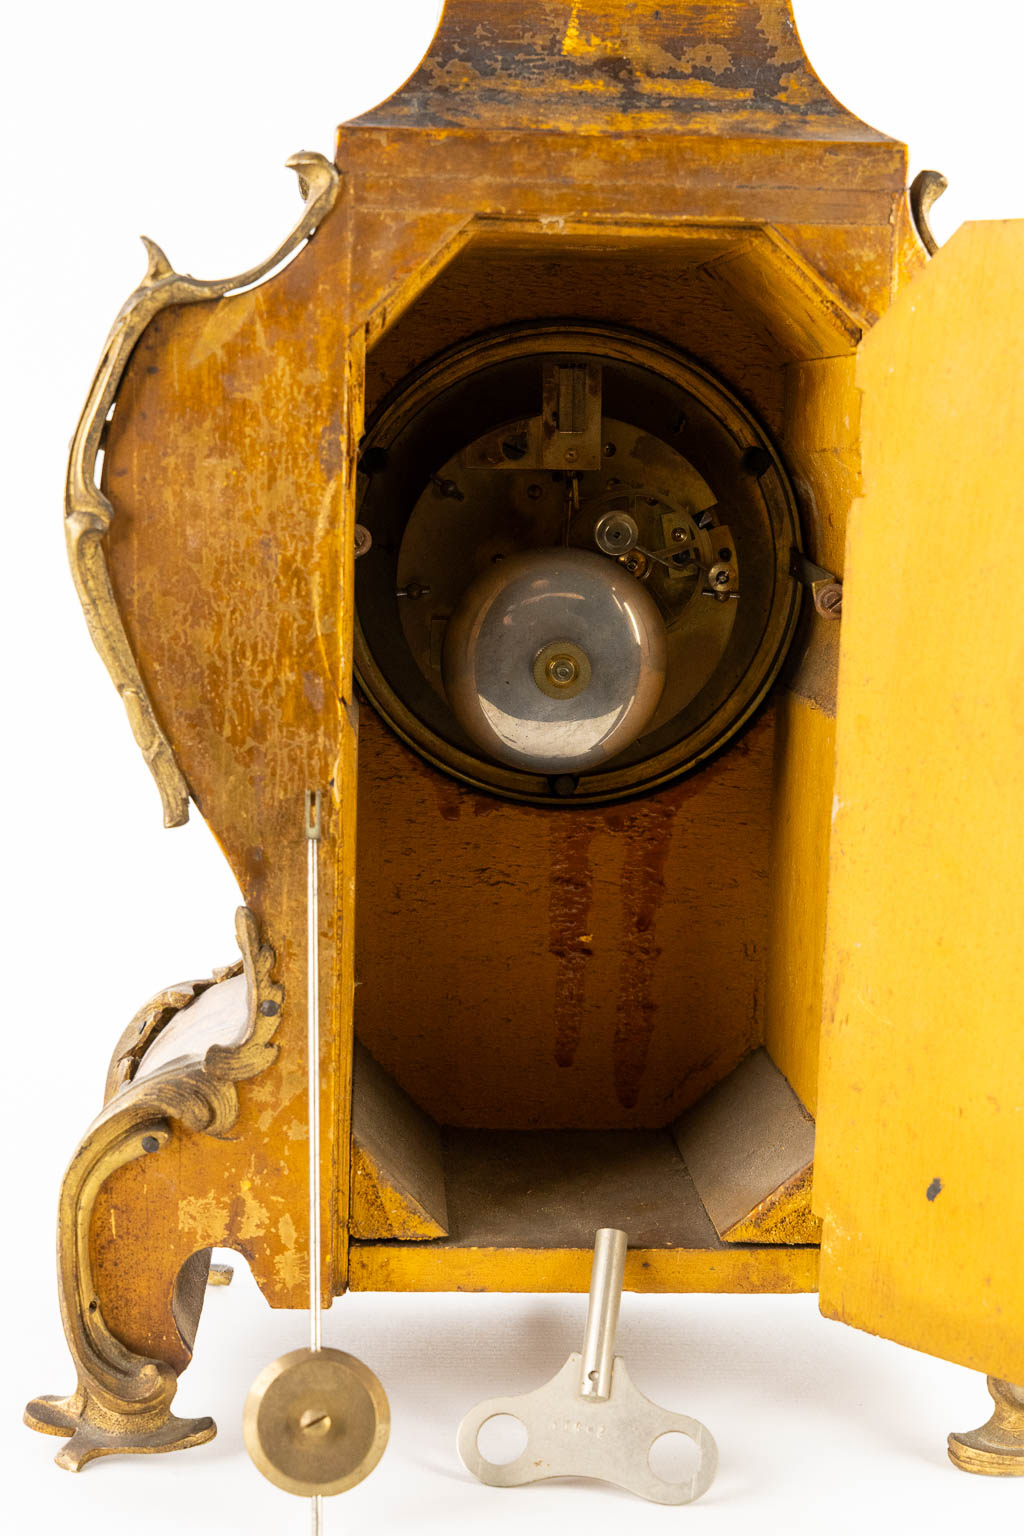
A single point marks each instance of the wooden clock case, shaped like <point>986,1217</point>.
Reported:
<point>541,1020</point>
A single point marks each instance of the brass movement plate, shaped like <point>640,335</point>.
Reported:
<point>453,477</point>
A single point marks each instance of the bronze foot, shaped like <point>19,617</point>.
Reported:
<point>997,1448</point>
<point>95,1433</point>
<point>122,1404</point>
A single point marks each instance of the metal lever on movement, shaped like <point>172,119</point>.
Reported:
<point>589,1420</point>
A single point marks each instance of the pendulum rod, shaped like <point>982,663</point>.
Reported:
<point>316,1420</point>
<point>313,820</point>
<point>313,829</point>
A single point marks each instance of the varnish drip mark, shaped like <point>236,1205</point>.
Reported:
<point>648,836</point>
<point>572,883</point>
<point>449,797</point>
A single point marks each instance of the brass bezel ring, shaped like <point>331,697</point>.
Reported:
<point>616,345</point>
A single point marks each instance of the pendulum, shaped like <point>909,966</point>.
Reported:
<point>316,1420</point>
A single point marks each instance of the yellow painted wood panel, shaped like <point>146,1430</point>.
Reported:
<point>440,1267</point>
<point>921,1115</point>
<point>799,882</point>
<point>822,440</point>
<point>823,448</point>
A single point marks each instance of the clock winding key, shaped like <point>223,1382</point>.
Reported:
<point>590,1420</point>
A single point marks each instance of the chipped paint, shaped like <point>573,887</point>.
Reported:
<point>611,67</point>
<point>199,1214</point>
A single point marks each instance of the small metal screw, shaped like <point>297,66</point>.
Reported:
<point>363,539</point>
<point>311,1422</point>
<point>756,462</point>
<point>447,489</point>
<point>535,492</point>
<point>562,669</point>
<point>722,578</point>
<point>680,535</point>
<point>609,450</point>
<point>828,600</point>
<point>150,1144</point>
<point>571,455</point>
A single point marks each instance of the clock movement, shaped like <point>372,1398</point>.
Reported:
<point>560,576</point>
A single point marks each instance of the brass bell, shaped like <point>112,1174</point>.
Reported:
<point>554,660</point>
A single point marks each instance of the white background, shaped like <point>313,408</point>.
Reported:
<point>124,118</point>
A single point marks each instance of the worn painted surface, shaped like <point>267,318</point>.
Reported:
<point>229,466</point>
<point>784,1216</point>
<point>921,1116</point>
<point>398,1184</point>
<point>229,564</point>
<point>608,66</point>
<point>442,193</point>
<point>383,1206</point>
<point>748,1146</point>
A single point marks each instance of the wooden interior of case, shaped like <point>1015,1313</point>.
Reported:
<point>588,1017</point>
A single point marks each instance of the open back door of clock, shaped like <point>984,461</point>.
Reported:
<point>921,1114</point>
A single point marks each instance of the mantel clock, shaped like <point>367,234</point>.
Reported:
<point>617,463</point>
